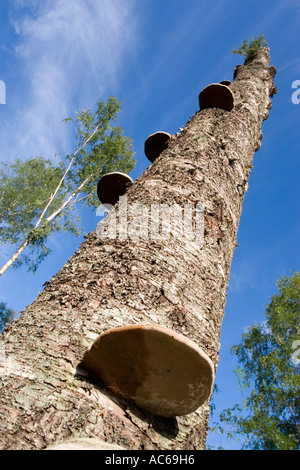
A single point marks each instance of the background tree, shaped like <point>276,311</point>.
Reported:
<point>269,418</point>
<point>38,197</point>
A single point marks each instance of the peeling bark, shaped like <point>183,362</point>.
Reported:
<point>46,396</point>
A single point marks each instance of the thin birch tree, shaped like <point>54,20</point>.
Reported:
<point>38,197</point>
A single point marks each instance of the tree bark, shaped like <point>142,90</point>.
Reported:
<point>46,396</point>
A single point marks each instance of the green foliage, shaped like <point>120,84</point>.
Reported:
<point>6,315</point>
<point>269,417</point>
<point>39,197</point>
<point>248,50</point>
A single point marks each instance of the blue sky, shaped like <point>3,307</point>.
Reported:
<point>156,56</point>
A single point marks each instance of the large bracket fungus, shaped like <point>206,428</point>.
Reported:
<point>216,95</point>
<point>155,144</point>
<point>111,186</point>
<point>162,371</point>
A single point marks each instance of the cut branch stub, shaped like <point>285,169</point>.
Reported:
<point>216,95</point>
<point>163,372</point>
<point>111,186</point>
<point>155,144</point>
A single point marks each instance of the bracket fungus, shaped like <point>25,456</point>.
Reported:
<point>216,95</point>
<point>162,371</point>
<point>155,144</point>
<point>111,186</point>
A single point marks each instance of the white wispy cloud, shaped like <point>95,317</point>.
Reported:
<point>69,55</point>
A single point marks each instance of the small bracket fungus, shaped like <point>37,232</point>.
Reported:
<point>111,186</point>
<point>163,372</point>
<point>155,144</point>
<point>216,95</point>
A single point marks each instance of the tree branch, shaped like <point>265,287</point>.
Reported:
<point>66,202</point>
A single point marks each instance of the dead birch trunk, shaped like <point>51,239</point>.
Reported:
<point>45,399</point>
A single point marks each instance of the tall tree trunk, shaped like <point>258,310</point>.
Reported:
<point>45,397</point>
